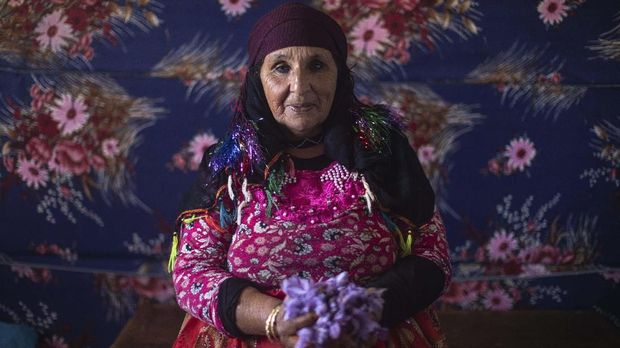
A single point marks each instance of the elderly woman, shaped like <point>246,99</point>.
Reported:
<point>309,182</point>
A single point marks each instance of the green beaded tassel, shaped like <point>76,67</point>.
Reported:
<point>173,252</point>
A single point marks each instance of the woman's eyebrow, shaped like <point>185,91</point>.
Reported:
<point>280,57</point>
<point>317,56</point>
<point>283,56</point>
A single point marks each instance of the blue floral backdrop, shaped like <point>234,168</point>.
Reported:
<point>106,107</point>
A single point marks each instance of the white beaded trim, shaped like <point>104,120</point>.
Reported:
<point>289,179</point>
<point>336,174</point>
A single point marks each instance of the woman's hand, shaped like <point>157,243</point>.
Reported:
<point>287,329</point>
<point>287,332</point>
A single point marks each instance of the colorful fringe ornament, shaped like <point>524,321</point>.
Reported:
<point>241,150</point>
<point>373,126</point>
<point>275,181</point>
<point>226,154</point>
<point>173,252</point>
<point>405,245</point>
<point>175,241</point>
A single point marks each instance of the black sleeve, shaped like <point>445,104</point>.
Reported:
<point>397,179</point>
<point>227,300</point>
<point>412,284</point>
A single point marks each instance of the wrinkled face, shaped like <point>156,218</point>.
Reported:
<point>299,83</point>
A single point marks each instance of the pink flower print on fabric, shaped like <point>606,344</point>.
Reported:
<point>39,150</point>
<point>426,154</point>
<point>109,147</point>
<point>464,294</point>
<point>235,8</point>
<point>552,11</point>
<point>69,158</point>
<point>497,300</point>
<point>70,113</point>
<point>520,153</point>
<point>53,32</point>
<point>531,270</point>
<point>370,36</point>
<point>468,294</point>
<point>32,173</point>
<point>501,245</point>
<point>197,147</point>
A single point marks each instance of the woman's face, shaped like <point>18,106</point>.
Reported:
<point>299,83</point>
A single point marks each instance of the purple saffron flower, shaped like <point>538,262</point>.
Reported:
<point>343,309</point>
<point>334,330</point>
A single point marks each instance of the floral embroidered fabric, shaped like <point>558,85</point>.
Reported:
<point>318,227</point>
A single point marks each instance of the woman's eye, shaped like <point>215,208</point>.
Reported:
<point>282,68</point>
<point>316,65</point>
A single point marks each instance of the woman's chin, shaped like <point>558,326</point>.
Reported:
<point>299,133</point>
<point>303,126</point>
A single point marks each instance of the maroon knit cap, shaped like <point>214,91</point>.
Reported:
<point>295,24</point>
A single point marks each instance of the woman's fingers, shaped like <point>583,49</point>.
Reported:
<point>289,341</point>
<point>287,329</point>
<point>291,326</point>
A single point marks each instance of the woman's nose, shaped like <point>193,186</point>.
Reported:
<point>300,83</point>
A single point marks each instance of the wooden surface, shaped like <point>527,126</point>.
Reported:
<point>156,325</point>
<point>532,329</point>
<point>152,326</point>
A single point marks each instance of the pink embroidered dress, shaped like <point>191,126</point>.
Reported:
<point>323,223</point>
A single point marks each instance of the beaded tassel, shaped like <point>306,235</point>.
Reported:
<point>368,195</point>
<point>246,199</point>
<point>175,241</point>
<point>275,181</point>
<point>173,252</point>
<point>405,245</point>
<point>231,193</point>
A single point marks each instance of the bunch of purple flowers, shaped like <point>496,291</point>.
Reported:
<point>343,309</point>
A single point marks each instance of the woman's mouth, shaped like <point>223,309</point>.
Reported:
<point>299,108</point>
